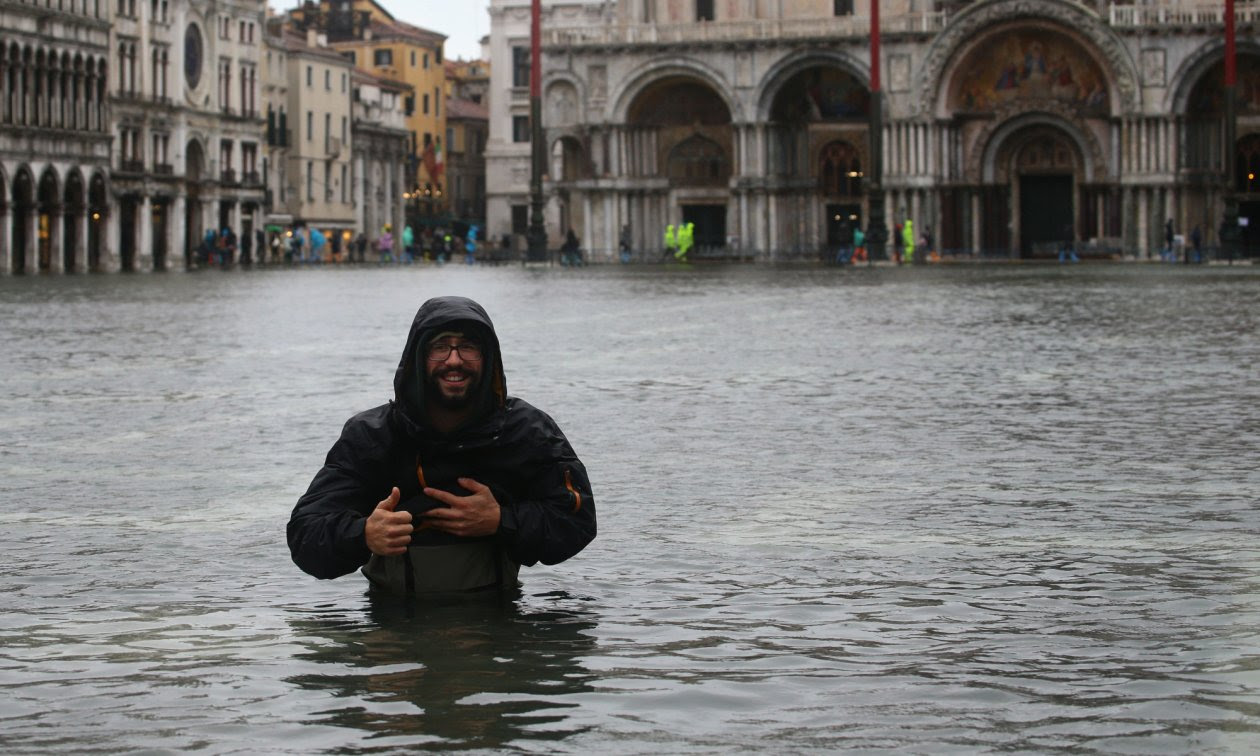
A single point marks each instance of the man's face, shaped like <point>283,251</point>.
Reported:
<point>452,378</point>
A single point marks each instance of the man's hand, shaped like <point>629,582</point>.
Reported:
<point>388,532</point>
<point>470,516</point>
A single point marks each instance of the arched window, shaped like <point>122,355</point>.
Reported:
<point>697,160</point>
<point>840,169</point>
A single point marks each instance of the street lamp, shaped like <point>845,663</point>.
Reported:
<point>1229,224</point>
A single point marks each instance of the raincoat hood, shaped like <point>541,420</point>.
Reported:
<point>434,317</point>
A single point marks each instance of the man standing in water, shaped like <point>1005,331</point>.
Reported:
<point>451,486</point>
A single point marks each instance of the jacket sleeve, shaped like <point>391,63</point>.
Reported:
<point>325,531</point>
<point>555,519</point>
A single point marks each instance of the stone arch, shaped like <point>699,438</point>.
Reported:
<point>950,48</point>
<point>785,70</point>
<point>840,169</point>
<point>22,209</point>
<point>49,210</point>
<point>569,161</point>
<point>982,165</point>
<point>1195,66</point>
<point>98,212</point>
<point>697,161</point>
<point>74,203</point>
<point>652,74</point>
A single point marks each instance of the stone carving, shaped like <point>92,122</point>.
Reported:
<point>562,104</point>
<point>1153,67</point>
<point>598,78</point>
<point>899,73</point>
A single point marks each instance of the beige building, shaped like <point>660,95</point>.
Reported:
<point>320,184</point>
<point>54,139</point>
<point>384,46</point>
<point>1008,125</point>
<point>381,147</point>
<point>275,102</point>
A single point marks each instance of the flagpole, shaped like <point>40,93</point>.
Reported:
<point>537,235</point>
<point>876,230</point>
<point>1229,224</point>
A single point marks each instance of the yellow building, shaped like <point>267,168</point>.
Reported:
<point>379,43</point>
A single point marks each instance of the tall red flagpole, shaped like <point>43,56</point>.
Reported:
<point>1229,224</point>
<point>876,230</point>
<point>536,238</point>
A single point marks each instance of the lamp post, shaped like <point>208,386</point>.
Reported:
<point>1229,224</point>
<point>537,236</point>
<point>876,231</point>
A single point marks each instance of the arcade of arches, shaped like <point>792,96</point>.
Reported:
<point>1030,138</point>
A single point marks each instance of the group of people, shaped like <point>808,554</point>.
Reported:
<point>852,246</point>
<point>1195,248</point>
<point>679,242</point>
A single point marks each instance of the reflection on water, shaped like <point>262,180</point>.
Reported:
<point>949,509</point>
<point>480,673</point>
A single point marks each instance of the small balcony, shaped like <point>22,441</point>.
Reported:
<point>164,169</point>
<point>130,166</point>
<point>251,178</point>
<point>228,177</point>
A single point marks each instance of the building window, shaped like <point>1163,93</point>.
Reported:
<point>343,82</point>
<point>327,80</point>
<point>520,219</point>
<point>249,159</point>
<point>310,180</point>
<point>310,125</point>
<point>424,106</point>
<point>225,85</point>
<point>843,7</point>
<point>225,159</point>
<point>437,102</point>
<point>327,132</point>
<point>520,66</point>
<point>383,57</point>
<point>343,129</point>
<point>704,10</point>
<point>520,128</point>
<point>310,76</point>
<point>343,183</point>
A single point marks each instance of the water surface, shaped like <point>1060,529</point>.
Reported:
<point>961,509</point>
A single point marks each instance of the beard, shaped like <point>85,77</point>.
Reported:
<point>442,396</point>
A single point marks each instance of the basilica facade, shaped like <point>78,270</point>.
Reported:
<point>1008,125</point>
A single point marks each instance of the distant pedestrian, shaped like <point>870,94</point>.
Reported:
<point>385,245</point>
<point>1169,254</point>
<point>623,243</point>
<point>859,245</point>
<point>1196,240</point>
<point>1067,247</point>
<point>844,252</point>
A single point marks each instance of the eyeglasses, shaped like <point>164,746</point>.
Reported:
<point>468,351</point>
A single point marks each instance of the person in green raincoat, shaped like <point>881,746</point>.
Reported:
<point>907,238</point>
<point>409,238</point>
<point>686,238</point>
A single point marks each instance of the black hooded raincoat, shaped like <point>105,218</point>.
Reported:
<point>547,510</point>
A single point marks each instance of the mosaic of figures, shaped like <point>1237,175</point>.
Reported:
<point>1029,66</point>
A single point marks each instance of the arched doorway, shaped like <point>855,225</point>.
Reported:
<point>49,215</point>
<point>75,203</point>
<point>684,123</point>
<point>817,141</point>
<point>1026,102</point>
<point>23,210</point>
<point>194,168</point>
<point>98,210</point>
<point>1045,166</point>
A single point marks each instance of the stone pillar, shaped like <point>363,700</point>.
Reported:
<point>397,209</point>
<point>144,235</point>
<point>110,242</point>
<point>176,234</point>
<point>6,236</point>
<point>30,253</point>
<point>80,220</point>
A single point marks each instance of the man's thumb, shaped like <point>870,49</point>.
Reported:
<point>391,501</point>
